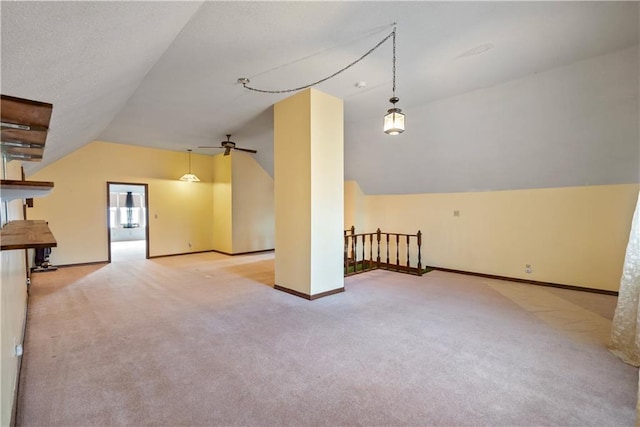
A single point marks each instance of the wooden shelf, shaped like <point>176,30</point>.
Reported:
<point>24,128</point>
<point>25,124</point>
<point>26,235</point>
<point>11,190</point>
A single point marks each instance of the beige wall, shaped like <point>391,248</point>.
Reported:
<point>179,212</point>
<point>230,210</point>
<point>292,192</point>
<point>327,192</point>
<point>222,204</point>
<point>354,207</point>
<point>309,199</point>
<point>573,236</point>
<point>13,297</point>
<point>253,208</point>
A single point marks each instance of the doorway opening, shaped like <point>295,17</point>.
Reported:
<point>127,221</point>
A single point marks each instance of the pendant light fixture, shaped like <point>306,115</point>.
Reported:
<point>189,177</point>
<point>128,203</point>
<point>394,119</point>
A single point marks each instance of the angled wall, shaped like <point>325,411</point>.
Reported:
<point>354,206</point>
<point>222,204</point>
<point>253,225</point>
<point>564,127</point>
<point>243,212</point>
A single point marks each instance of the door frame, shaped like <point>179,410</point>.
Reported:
<point>146,214</point>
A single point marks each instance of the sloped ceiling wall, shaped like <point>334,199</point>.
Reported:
<point>86,58</point>
<point>569,126</point>
<point>553,102</point>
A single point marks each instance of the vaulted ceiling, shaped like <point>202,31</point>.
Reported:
<point>164,74</point>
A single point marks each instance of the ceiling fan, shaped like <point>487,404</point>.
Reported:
<point>229,145</point>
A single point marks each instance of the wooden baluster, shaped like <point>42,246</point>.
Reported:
<point>387,250</point>
<point>419,260</point>
<point>346,248</point>
<point>408,259</point>
<point>378,258</point>
<point>353,250</point>
<point>364,244</point>
<point>370,250</point>
<point>397,252</point>
<point>353,245</point>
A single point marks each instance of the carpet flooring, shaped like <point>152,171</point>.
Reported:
<point>204,340</point>
<point>129,250</point>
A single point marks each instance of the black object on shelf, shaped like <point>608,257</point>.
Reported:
<point>41,260</point>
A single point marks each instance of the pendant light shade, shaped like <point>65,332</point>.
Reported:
<point>189,177</point>
<point>394,119</point>
<point>394,122</point>
<point>129,205</point>
<point>128,201</point>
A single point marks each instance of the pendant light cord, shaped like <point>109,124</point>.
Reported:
<point>394,61</point>
<point>245,81</point>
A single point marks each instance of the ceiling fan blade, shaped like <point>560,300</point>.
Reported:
<point>227,151</point>
<point>208,146</point>
<point>248,150</point>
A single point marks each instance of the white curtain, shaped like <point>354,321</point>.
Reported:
<point>625,331</point>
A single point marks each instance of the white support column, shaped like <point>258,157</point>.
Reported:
<point>309,189</point>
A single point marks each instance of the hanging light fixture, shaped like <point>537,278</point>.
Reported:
<point>189,177</point>
<point>128,203</point>
<point>394,119</point>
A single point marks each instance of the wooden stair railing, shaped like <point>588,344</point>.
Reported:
<point>355,252</point>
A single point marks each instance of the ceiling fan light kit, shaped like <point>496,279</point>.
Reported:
<point>394,119</point>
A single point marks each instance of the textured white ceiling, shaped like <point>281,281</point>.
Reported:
<point>85,58</point>
<point>164,74</point>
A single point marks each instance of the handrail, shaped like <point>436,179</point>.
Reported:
<point>355,252</point>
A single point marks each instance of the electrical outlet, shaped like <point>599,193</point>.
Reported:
<point>528,269</point>
<point>456,213</point>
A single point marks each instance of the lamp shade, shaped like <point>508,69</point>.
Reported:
<point>394,121</point>
<point>189,177</point>
<point>129,200</point>
<point>125,200</point>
